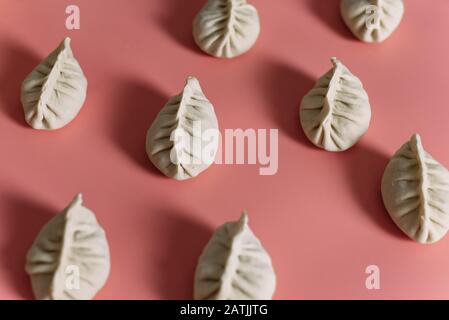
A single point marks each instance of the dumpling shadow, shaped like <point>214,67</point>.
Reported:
<point>17,63</point>
<point>177,19</point>
<point>137,104</point>
<point>365,166</point>
<point>23,218</point>
<point>285,87</point>
<point>328,11</point>
<point>183,240</point>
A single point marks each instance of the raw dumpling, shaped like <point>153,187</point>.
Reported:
<point>372,20</point>
<point>183,140</point>
<point>234,266</point>
<point>53,94</point>
<point>336,113</point>
<point>226,28</point>
<point>415,191</point>
<point>69,259</point>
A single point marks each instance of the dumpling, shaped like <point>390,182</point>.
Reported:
<point>54,92</point>
<point>372,20</point>
<point>226,28</point>
<point>336,113</point>
<point>69,260</point>
<point>415,191</point>
<point>234,266</point>
<point>183,140</point>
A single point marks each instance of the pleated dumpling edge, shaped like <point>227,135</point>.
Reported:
<point>69,259</point>
<point>234,266</point>
<point>372,21</point>
<point>53,94</point>
<point>183,140</point>
<point>415,192</point>
<point>336,113</point>
<point>226,28</point>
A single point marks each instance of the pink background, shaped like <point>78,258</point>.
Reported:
<point>320,217</point>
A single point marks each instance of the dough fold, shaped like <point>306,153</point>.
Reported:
<point>234,266</point>
<point>372,20</point>
<point>415,191</point>
<point>336,113</point>
<point>226,28</point>
<point>69,260</point>
<point>55,91</point>
<point>183,140</point>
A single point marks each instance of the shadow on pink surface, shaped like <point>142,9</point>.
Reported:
<point>137,106</point>
<point>183,239</point>
<point>177,21</point>
<point>24,218</point>
<point>328,11</point>
<point>17,63</point>
<point>285,88</point>
<point>366,183</point>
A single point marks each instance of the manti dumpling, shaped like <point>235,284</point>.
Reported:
<point>372,20</point>
<point>226,28</point>
<point>415,191</point>
<point>69,260</point>
<point>55,91</point>
<point>336,113</point>
<point>183,140</point>
<point>234,266</point>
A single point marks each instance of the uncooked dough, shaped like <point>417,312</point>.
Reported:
<point>336,113</point>
<point>69,260</point>
<point>234,266</point>
<point>372,20</point>
<point>415,191</point>
<point>226,28</point>
<point>54,92</point>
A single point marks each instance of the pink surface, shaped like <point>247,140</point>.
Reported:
<point>320,217</point>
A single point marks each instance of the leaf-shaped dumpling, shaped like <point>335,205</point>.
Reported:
<point>226,28</point>
<point>70,257</point>
<point>415,191</point>
<point>234,266</point>
<point>54,92</point>
<point>336,113</point>
<point>183,140</point>
<point>372,20</point>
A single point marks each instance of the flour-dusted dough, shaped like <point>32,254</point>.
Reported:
<point>336,113</point>
<point>372,20</point>
<point>179,142</point>
<point>71,244</point>
<point>415,191</point>
<point>226,28</point>
<point>234,266</point>
<point>54,92</point>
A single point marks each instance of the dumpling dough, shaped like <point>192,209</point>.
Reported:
<point>336,113</point>
<point>71,244</point>
<point>183,140</point>
<point>372,20</point>
<point>415,191</point>
<point>234,266</point>
<point>226,28</point>
<point>54,92</point>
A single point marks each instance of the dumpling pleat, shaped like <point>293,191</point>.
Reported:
<point>55,91</point>
<point>71,239</point>
<point>226,28</point>
<point>234,266</point>
<point>336,113</point>
<point>415,191</point>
